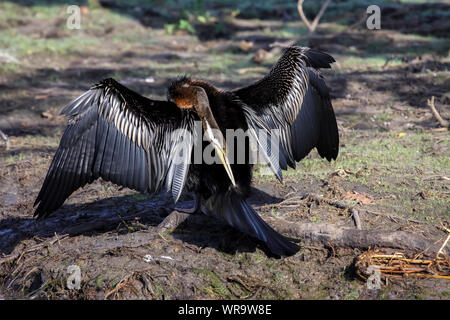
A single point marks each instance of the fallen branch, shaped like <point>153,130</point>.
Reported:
<point>19,255</point>
<point>340,205</point>
<point>291,203</point>
<point>442,122</point>
<point>392,217</point>
<point>356,218</point>
<point>346,237</point>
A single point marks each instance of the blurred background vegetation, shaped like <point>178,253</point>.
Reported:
<point>33,27</point>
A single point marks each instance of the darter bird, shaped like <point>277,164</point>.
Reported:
<point>147,145</point>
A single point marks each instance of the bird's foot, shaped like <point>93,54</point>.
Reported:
<point>172,221</point>
<point>195,206</point>
<point>192,210</point>
<point>178,216</point>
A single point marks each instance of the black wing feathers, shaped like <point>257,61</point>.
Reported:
<point>116,134</point>
<point>317,59</point>
<point>293,103</point>
<point>328,142</point>
<point>232,208</point>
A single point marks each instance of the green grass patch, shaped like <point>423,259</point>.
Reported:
<point>388,165</point>
<point>215,286</point>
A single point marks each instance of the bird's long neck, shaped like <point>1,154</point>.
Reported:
<point>204,93</point>
<point>204,110</point>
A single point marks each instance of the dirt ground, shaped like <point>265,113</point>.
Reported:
<point>393,166</point>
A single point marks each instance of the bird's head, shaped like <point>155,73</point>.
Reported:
<point>188,94</point>
<point>183,92</point>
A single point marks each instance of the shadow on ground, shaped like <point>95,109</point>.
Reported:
<point>117,214</point>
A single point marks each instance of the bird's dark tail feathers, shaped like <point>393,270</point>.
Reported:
<point>238,213</point>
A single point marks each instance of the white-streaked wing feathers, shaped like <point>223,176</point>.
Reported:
<point>292,104</point>
<point>122,137</point>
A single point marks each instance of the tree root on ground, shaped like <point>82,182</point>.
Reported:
<point>329,234</point>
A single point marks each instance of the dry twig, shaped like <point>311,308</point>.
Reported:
<point>398,265</point>
<point>441,249</point>
<point>295,201</point>
<point>125,282</point>
<point>444,123</point>
<point>5,138</point>
<point>56,238</point>
<point>312,25</point>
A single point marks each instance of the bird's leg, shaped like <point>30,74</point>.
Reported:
<point>179,215</point>
<point>195,208</point>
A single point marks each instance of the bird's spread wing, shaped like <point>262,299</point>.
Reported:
<point>122,137</point>
<point>292,104</point>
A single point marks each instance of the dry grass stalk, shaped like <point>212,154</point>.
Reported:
<point>398,265</point>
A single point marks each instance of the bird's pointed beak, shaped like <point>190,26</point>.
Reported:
<point>217,140</point>
<point>223,158</point>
